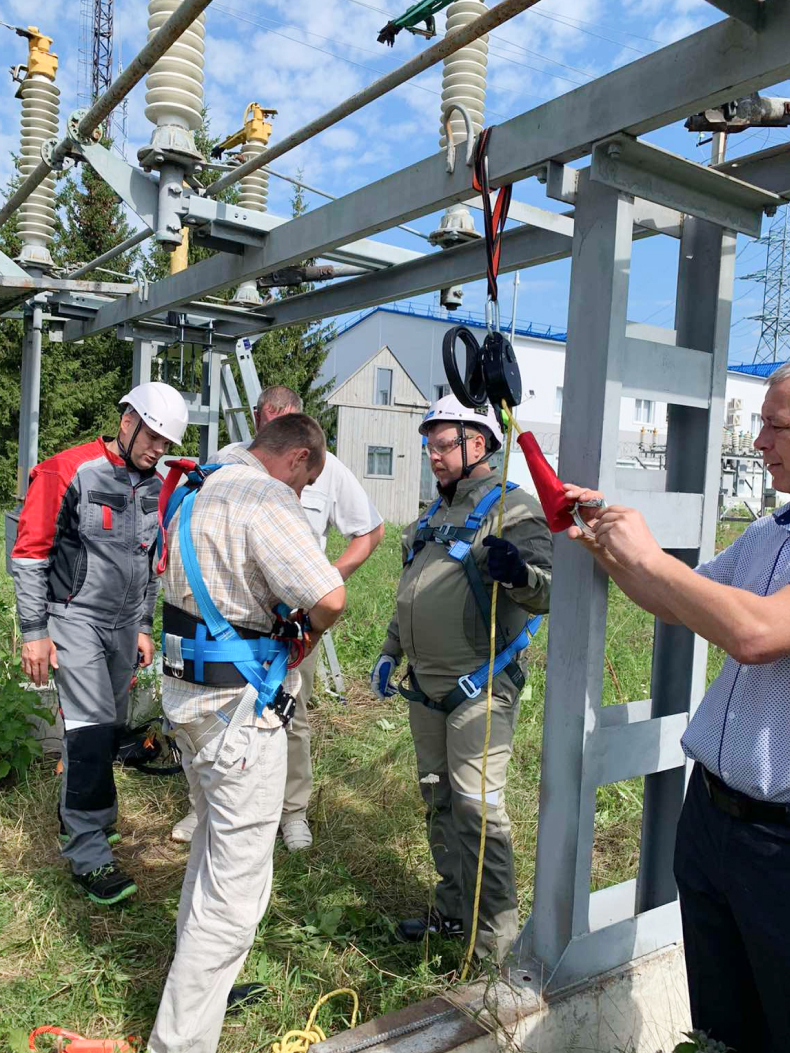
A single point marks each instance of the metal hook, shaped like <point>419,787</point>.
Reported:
<point>492,315</point>
<point>470,136</point>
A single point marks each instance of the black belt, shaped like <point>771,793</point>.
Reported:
<point>457,696</point>
<point>215,674</point>
<point>740,806</point>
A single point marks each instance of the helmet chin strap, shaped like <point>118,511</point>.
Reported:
<point>126,451</point>
<point>466,468</point>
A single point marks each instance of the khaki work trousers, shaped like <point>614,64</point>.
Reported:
<point>226,886</point>
<point>449,762</point>
<point>299,780</point>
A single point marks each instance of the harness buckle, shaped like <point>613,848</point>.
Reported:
<point>468,686</point>
<point>173,656</point>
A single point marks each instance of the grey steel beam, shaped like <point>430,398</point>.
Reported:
<point>648,172</point>
<point>143,355</point>
<point>719,63</point>
<point>139,191</point>
<point>703,315</point>
<point>750,12</point>
<point>769,168</point>
<point>588,448</point>
<point>642,748</point>
<point>521,248</point>
<point>10,269</point>
<point>231,228</point>
<point>29,396</point>
<point>677,375</point>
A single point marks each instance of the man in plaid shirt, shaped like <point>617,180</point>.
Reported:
<point>255,548</point>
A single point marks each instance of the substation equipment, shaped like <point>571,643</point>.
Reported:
<point>613,187</point>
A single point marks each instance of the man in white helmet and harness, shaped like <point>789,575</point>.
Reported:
<point>441,623</point>
<point>85,589</point>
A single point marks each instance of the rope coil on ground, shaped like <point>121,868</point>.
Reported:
<point>300,1041</point>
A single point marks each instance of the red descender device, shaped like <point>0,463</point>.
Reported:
<point>69,1042</point>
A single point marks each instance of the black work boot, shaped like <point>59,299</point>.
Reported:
<point>241,996</point>
<point>107,884</point>
<point>409,930</point>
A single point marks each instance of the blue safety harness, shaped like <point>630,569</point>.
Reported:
<point>261,661</point>
<point>459,540</point>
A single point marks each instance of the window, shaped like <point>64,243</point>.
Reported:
<point>440,390</point>
<point>382,396</point>
<point>558,401</point>
<point>380,460</point>
<point>644,411</point>
<point>757,423</point>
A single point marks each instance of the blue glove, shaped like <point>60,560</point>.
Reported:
<point>380,677</point>
<point>504,562</point>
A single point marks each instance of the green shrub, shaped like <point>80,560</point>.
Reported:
<point>18,747</point>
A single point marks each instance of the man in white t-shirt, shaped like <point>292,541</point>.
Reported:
<point>335,499</point>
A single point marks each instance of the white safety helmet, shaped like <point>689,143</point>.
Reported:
<point>449,410</point>
<point>161,408</point>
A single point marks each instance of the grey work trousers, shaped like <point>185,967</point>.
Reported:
<point>226,886</point>
<point>95,669</point>
<point>449,762</point>
<point>299,781</point>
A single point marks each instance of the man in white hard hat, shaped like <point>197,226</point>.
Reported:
<point>85,587</point>
<point>451,559</point>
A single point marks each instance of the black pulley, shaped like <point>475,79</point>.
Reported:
<point>467,386</point>
<point>501,374</point>
<point>490,374</point>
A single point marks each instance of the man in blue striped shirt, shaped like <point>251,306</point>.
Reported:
<point>732,855</point>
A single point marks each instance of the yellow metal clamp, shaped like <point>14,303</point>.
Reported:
<point>40,59</point>
<point>256,129</point>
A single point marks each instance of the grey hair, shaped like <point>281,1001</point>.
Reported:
<point>292,431</point>
<point>279,397</point>
<point>782,373</point>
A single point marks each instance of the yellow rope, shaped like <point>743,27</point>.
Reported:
<point>489,703</point>
<point>300,1041</point>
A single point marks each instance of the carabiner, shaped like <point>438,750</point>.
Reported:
<point>492,315</point>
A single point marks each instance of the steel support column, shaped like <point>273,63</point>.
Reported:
<point>29,396</point>
<point>588,449</point>
<point>704,302</point>
<point>143,356</point>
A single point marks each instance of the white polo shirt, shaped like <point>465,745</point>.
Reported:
<point>336,498</point>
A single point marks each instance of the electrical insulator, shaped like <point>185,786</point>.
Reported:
<point>255,185</point>
<point>463,83</point>
<point>464,79</point>
<point>40,109</point>
<point>174,103</point>
<point>174,86</point>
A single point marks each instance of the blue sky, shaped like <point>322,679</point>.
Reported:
<point>303,56</point>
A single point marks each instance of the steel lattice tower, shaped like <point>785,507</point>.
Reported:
<point>774,342</point>
<point>96,65</point>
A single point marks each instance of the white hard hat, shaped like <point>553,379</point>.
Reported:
<point>161,408</point>
<point>449,410</point>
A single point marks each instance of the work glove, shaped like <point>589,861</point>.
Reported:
<point>380,677</point>
<point>504,562</point>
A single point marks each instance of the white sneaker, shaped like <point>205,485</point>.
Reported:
<point>296,835</point>
<point>185,828</point>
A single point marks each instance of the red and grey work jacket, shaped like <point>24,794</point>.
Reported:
<point>85,542</point>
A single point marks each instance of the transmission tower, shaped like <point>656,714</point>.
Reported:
<point>96,65</point>
<point>774,342</point>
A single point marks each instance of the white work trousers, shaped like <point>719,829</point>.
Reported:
<point>226,886</point>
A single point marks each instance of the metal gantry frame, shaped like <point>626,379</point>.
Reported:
<point>629,190</point>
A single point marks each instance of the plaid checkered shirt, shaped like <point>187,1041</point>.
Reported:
<point>255,548</point>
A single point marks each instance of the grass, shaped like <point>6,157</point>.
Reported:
<point>330,922</point>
